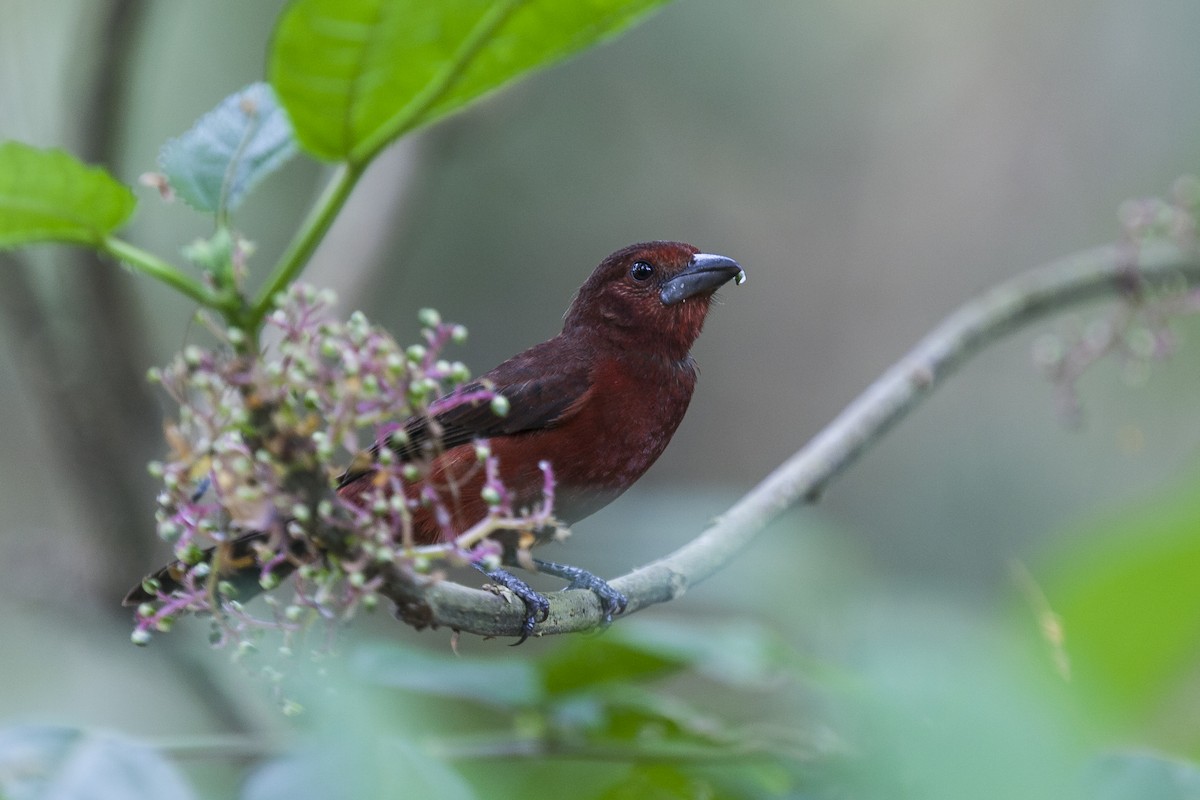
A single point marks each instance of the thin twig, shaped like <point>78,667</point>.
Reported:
<point>1112,270</point>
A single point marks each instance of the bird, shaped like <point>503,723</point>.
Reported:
<point>599,403</point>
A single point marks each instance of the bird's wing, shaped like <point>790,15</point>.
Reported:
<point>543,388</point>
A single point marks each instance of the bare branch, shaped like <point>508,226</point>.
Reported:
<point>1119,270</point>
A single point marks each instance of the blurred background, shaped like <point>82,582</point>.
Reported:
<point>871,164</point>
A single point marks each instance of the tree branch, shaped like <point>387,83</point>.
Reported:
<point>1118,270</point>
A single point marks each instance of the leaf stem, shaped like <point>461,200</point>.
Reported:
<point>155,267</point>
<point>326,209</point>
<point>314,228</point>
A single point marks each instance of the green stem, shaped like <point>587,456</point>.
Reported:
<point>306,240</point>
<point>327,207</point>
<point>155,267</point>
<point>413,114</point>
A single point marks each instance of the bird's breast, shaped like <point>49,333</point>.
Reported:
<point>621,428</point>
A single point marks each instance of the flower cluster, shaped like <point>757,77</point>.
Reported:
<point>257,452</point>
<point>1137,332</point>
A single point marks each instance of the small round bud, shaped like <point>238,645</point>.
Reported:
<point>163,625</point>
<point>420,389</point>
<point>236,336</point>
<point>169,531</point>
<point>429,317</point>
<point>458,334</point>
<point>146,610</point>
<point>293,613</point>
<point>415,353</point>
<point>190,554</point>
<point>483,452</point>
<point>291,708</point>
<point>358,580</point>
<point>226,589</point>
<point>155,468</point>
<point>500,405</point>
<point>411,472</point>
<point>490,496</point>
<point>269,581</point>
<point>150,586</point>
<point>140,637</point>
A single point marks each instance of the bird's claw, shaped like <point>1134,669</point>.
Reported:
<point>537,607</point>
<point>612,602</point>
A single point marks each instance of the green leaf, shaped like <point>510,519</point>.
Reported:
<point>657,782</point>
<point>625,712</point>
<point>56,763</point>
<point>230,149</point>
<point>50,196</point>
<point>586,663</point>
<point>1127,595</point>
<point>356,74</point>
<point>739,653</point>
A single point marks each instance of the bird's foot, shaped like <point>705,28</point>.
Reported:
<point>537,607</point>
<point>611,601</point>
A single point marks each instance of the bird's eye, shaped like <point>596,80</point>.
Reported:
<point>641,271</point>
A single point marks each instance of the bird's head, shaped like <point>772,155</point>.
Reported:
<point>655,291</point>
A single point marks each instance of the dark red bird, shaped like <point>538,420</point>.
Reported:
<point>599,402</point>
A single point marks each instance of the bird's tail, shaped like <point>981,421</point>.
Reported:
<point>237,562</point>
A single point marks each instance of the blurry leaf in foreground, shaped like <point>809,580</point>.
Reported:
<point>1142,776</point>
<point>501,682</point>
<point>586,662</point>
<point>41,762</point>
<point>357,763</point>
<point>738,652</point>
<point>941,710</point>
<point>1129,600</point>
<point>356,746</point>
<point>50,196</point>
<point>215,164</point>
<point>657,782</point>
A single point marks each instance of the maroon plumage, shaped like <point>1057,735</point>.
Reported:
<point>599,401</point>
